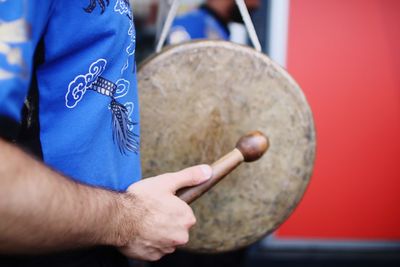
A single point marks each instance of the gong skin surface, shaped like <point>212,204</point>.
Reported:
<point>196,100</point>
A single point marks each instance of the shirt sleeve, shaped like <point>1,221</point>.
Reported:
<point>22,23</point>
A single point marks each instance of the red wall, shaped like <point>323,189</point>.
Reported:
<point>346,56</point>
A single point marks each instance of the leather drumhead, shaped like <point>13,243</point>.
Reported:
<point>196,100</point>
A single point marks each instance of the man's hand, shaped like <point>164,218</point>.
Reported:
<point>162,219</point>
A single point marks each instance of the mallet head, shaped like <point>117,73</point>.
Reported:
<point>253,145</point>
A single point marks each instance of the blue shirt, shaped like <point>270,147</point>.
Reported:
<point>201,23</point>
<point>77,58</point>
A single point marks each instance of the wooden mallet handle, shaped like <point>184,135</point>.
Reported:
<point>250,147</point>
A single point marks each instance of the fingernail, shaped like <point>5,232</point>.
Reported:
<point>207,171</point>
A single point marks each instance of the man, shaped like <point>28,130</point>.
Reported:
<point>80,192</point>
<point>209,21</point>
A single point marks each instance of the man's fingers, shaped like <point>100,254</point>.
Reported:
<point>189,177</point>
<point>155,256</point>
<point>168,250</point>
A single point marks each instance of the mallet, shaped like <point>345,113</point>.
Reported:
<point>250,147</point>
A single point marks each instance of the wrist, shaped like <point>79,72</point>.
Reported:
<point>122,224</point>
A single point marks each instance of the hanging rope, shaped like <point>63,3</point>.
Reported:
<point>249,24</point>
<point>168,23</point>
<point>243,12</point>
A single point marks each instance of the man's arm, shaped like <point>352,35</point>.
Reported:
<point>42,211</point>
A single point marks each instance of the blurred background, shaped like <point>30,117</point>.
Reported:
<point>345,54</point>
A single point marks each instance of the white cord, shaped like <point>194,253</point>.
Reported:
<point>249,24</point>
<point>243,11</point>
<point>167,25</point>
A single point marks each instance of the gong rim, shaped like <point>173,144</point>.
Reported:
<point>170,51</point>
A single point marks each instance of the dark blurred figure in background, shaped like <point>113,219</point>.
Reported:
<point>209,21</point>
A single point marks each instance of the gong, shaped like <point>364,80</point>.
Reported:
<point>196,99</point>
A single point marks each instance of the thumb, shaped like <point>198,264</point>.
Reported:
<point>189,177</point>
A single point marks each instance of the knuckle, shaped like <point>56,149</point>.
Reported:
<point>169,250</point>
<point>181,240</point>
<point>190,221</point>
<point>192,174</point>
<point>198,174</point>
<point>155,257</point>
<point>194,220</point>
<point>176,242</point>
<point>196,179</point>
<point>195,171</point>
